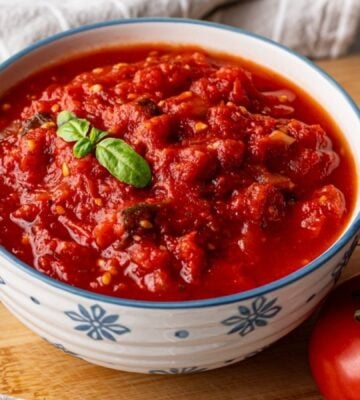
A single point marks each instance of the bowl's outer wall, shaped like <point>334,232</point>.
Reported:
<point>175,340</point>
<point>160,339</point>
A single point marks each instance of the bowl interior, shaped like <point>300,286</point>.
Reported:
<point>209,36</point>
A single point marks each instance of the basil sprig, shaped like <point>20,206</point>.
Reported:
<point>73,129</point>
<point>120,159</point>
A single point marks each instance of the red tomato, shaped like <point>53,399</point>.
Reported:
<point>334,350</point>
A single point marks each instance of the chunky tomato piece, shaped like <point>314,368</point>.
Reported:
<point>259,203</point>
<point>325,206</point>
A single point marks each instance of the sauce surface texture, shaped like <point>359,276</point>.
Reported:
<point>250,179</point>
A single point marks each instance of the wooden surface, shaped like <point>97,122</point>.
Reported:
<point>32,369</point>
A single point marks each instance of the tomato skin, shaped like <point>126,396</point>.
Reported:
<point>334,350</point>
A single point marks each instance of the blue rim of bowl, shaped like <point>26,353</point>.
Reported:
<point>215,301</point>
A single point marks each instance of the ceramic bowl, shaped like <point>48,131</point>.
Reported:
<point>177,337</point>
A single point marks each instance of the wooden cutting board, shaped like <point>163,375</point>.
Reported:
<point>32,369</point>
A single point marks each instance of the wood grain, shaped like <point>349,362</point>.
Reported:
<point>32,369</point>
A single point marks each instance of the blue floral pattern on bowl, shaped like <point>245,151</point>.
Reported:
<point>61,347</point>
<point>177,371</point>
<point>35,300</point>
<point>249,318</point>
<point>96,324</point>
<point>64,349</point>
<point>2,282</point>
<point>342,264</point>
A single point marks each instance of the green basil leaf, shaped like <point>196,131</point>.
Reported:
<point>82,148</point>
<point>96,135</point>
<point>64,117</point>
<point>73,130</point>
<point>123,162</point>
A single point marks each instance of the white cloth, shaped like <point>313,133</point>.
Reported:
<point>321,28</point>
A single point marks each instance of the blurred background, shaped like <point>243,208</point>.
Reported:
<point>316,28</point>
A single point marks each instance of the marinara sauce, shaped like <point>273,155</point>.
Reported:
<point>250,178</point>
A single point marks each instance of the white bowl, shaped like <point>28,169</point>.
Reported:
<point>177,337</point>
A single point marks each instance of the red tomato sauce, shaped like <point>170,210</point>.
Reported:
<point>251,179</point>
